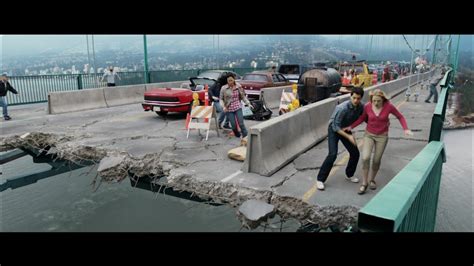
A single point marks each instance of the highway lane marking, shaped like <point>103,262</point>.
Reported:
<point>231,176</point>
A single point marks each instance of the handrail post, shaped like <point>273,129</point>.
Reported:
<point>79,82</point>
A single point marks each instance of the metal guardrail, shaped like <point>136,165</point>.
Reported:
<point>35,89</point>
<point>439,114</point>
<point>408,203</point>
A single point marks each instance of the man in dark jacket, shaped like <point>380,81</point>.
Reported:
<point>434,82</point>
<point>4,88</point>
<point>214,92</point>
<point>343,116</point>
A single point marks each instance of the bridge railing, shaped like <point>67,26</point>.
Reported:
<point>35,89</point>
<point>439,114</point>
<point>408,203</point>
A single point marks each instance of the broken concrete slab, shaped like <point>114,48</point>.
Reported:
<point>110,162</point>
<point>255,211</point>
<point>188,156</point>
<point>138,148</point>
<point>298,184</point>
<point>262,183</point>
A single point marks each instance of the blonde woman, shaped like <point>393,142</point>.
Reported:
<point>376,114</point>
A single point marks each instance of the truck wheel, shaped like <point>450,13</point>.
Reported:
<point>162,113</point>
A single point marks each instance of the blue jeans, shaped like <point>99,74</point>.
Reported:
<point>333,141</point>
<point>3,103</point>
<point>434,92</point>
<point>237,115</point>
<point>222,115</point>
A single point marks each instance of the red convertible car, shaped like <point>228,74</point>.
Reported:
<point>164,100</point>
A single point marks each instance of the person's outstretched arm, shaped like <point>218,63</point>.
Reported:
<point>401,119</point>
<point>10,88</point>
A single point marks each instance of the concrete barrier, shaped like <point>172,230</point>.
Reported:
<point>272,95</point>
<point>72,101</point>
<point>115,96</point>
<point>395,87</point>
<point>276,142</point>
<point>319,115</point>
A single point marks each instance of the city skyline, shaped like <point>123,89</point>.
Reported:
<point>69,55</point>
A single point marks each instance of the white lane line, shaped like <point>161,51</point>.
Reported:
<point>231,176</point>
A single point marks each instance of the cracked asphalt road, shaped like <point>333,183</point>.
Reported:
<point>156,146</point>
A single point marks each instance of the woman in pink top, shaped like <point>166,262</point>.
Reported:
<point>376,113</point>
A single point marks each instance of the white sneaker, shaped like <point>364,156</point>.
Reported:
<point>352,179</point>
<point>320,185</point>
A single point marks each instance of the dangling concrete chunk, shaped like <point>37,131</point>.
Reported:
<point>110,162</point>
<point>256,210</point>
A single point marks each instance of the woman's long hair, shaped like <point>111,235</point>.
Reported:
<point>378,92</point>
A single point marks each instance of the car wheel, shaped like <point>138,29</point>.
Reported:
<point>162,113</point>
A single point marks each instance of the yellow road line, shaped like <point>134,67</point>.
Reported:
<point>341,162</point>
<point>401,103</point>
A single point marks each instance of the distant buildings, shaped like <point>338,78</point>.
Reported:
<point>253,64</point>
<point>259,55</point>
<point>271,63</point>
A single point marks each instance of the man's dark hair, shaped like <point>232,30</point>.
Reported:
<point>222,79</point>
<point>358,90</point>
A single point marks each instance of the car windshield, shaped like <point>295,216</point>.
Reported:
<point>255,77</point>
<point>210,74</point>
<point>289,69</point>
<point>200,81</point>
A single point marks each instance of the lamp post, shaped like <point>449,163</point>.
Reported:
<point>408,93</point>
<point>434,51</point>
<point>95,66</point>
<point>456,59</point>
<point>145,51</point>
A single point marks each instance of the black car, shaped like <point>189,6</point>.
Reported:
<point>210,77</point>
<point>292,72</point>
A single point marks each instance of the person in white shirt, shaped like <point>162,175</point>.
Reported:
<point>110,74</point>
